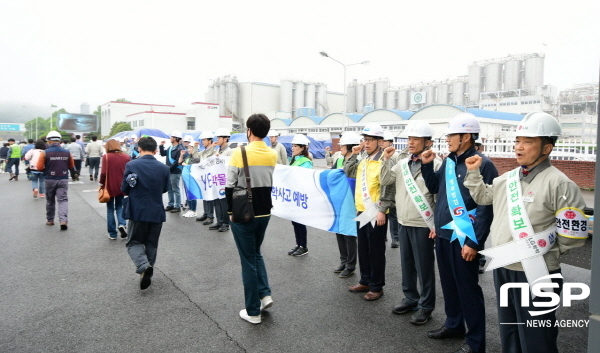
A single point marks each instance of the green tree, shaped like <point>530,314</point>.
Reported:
<point>119,126</point>
<point>123,100</point>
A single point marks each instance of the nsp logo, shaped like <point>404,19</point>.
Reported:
<point>538,290</point>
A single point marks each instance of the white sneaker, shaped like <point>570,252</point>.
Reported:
<point>251,319</point>
<point>191,214</point>
<point>266,302</point>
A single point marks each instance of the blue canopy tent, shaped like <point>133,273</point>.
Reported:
<point>121,135</point>
<point>240,137</point>
<point>139,132</point>
<point>315,147</point>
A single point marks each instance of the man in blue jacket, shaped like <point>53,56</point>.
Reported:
<point>172,153</point>
<point>461,227</point>
<point>144,181</point>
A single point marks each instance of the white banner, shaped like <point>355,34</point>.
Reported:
<point>207,179</point>
<point>418,98</point>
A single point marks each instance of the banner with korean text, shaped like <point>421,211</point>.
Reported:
<point>206,180</point>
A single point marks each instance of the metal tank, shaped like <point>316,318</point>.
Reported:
<point>430,98</point>
<point>403,99</point>
<point>442,94</point>
<point>233,95</point>
<point>286,92</point>
<point>458,93</point>
<point>380,88</point>
<point>512,74</point>
<point>222,92</point>
<point>475,83</point>
<point>322,108</point>
<point>390,100</point>
<point>311,95</point>
<point>351,99</point>
<point>360,97</point>
<point>534,73</point>
<point>369,93</point>
<point>493,77</point>
<point>410,94</point>
<point>298,95</point>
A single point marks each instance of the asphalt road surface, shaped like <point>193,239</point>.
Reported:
<point>77,291</point>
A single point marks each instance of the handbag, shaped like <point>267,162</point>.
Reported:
<point>103,195</point>
<point>241,202</point>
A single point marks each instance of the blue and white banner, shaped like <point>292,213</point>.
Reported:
<point>206,180</point>
<point>318,198</point>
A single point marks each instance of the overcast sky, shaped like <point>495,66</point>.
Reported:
<point>168,52</point>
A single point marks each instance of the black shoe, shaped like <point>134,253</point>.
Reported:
<point>123,231</point>
<point>169,208</point>
<point>215,226</point>
<point>292,250</point>
<point>464,348</point>
<point>146,278</point>
<point>175,210</point>
<point>201,219</point>
<point>395,244</point>
<point>208,221</point>
<point>421,317</point>
<point>444,332</point>
<point>346,273</point>
<point>301,251</point>
<point>338,269</point>
<point>224,228</point>
<point>405,307</point>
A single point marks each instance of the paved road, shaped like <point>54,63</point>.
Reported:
<point>76,291</point>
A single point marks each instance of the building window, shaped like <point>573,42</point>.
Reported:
<point>141,123</point>
<point>191,125</point>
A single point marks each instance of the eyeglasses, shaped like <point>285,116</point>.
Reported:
<point>369,139</point>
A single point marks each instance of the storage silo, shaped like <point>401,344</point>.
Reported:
<point>369,93</point>
<point>458,93</point>
<point>430,97</point>
<point>286,92</point>
<point>534,73</point>
<point>390,100</point>
<point>234,97</point>
<point>442,93</point>
<point>298,95</point>
<point>493,77</point>
<point>322,108</point>
<point>512,74</point>
<point>311,95</point>
<point>351,99</point>
<point>411,93</point>
<point>380,88</point>
<point>222,97</point>
<point>360,97</point>
<point>209,95</point>
<point>475,83</point>
<point>403,99</point>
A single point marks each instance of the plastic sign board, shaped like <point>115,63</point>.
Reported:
<point>418,98</point>
<point>11,127</point>
<point>77,122</point>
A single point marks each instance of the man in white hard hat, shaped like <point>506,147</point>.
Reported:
<point>206,139</point>
<point>537,217</point>
<point>172,161</point>
<point>56,162</point>
<point>415,217</point>
<point>222,149</point>
<point>372,202</point>
<point>388,141</point>
<point>462,227</point>
<point>282,157</point>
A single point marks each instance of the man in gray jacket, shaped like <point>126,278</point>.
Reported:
<point>77,153</point>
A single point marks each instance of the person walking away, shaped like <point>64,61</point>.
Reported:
<point>38,182</point>
<point>14,158</point>
<point>111,177</point>
<point>30,145</point>
<point>56,162</point>
<point>282,157</point>
<point>172,160</point>
<point>144,181</point>
<point>372,204</point>
<point>416,228</point>
<point>346,243</point>
<point>94,151</point>
<point>462,227</point>
<point>300,159</point>
<point>3,157</point>
<point>249,236</point>
<point>206,138</point>
<point>535,201</point>
<point>223,149</point>
<point>77,153</point>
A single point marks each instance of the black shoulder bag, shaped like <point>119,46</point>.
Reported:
<point>242,206</point>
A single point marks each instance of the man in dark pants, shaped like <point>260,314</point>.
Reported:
<point>13,159</point>
<point>458,217</point>
<point>249,236</point>
<point>144,181</point>
<point>172,153</point>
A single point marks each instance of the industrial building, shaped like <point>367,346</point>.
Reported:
<point>578,111</point>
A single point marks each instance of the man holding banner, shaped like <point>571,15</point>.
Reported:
<point>458,217</point>
<point>372,202</point>
<point>537,217</point>
<point>416,227</point>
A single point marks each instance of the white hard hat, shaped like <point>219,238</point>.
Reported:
<point>417,128</point>
<point>539,124</point>
<point>463,123</point>
<point>300,139</point>
<point>206,135</point>
<point>272,133</point>
<point>388,136</point>
<point>53,136</point>
<point>373,129</point>
<point>188,138</point>
<point>133,136</point>
<point>222,132</point>
<point>176,133</point>
<point>349,138</point>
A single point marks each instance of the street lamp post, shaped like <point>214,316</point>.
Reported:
<point>345,88</point>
